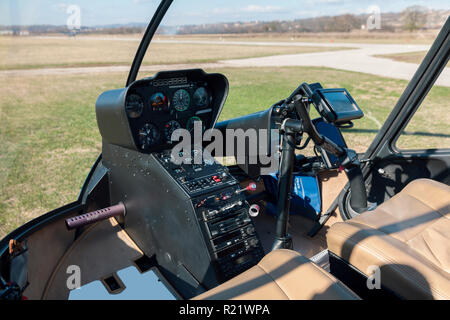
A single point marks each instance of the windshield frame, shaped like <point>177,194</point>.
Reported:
<point>146,39</point>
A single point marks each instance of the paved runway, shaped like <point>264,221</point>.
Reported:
<point>359,57</point>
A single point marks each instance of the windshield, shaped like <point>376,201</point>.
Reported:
<point>267,48</point>
<point>57,57</point>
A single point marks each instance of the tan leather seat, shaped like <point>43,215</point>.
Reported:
<point>408,237</point>
<point>280,275</point>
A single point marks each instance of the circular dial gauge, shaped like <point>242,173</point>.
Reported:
<point>159,102</point>
<point>134,105</point>
<point>201,97</point>
<point>148,136</point>
<point>169,128</point>
<point>181,100</point>
<point>190,123</point>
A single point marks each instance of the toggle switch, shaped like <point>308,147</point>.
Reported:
<point>250,187</point>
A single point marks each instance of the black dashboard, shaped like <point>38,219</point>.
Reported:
<point>194,218</point>
<point>157,106</point>
<point>143,115</point>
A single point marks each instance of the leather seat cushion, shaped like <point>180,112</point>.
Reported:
<point>407,236</point>
<point>282,274</point>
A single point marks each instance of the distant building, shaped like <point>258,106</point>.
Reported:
<point>17,31</point>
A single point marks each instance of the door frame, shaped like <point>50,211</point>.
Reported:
<point>383,146</point>
<point>409,102</point>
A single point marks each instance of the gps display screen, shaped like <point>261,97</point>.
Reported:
<point>340,101</point>
<point>337,105</point>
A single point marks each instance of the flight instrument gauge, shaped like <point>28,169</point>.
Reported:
<point>169,128</point>
<point>134,105</point>
<point>201,98</point>
<point>148,136</point>
<point>181,100</point>
<point>191,123</point>
<point>159,102</point>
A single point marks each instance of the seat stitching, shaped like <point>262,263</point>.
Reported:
<point>393,234</point>
<point>428,227</point>
<point>430,249</point>
<point>356,243</point>
<point>417,252</point>
<point>405,242</point>
<point>273,280</point>
<point>343,288</point>
<point>427,205</point>
<point>393,215</point>
<point>442,215</point>
<point>396,264</point>
<point>334,280</point>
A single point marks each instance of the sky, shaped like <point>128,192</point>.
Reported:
<point>104,12</point>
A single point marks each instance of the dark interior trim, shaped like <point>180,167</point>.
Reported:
<point>357,281</point>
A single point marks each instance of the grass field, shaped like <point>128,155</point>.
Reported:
<point>412,57</point>
<point>422,37</point>
<point>50,140</point>
<point>34,52</point>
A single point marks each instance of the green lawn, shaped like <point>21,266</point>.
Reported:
<point>50,140</point>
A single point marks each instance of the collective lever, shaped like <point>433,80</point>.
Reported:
<point>95,216</point>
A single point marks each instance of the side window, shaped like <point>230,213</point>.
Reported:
<point>429,128</point>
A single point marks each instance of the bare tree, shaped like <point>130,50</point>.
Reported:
<point>414,18</point>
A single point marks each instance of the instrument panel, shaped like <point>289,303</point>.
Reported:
<point>158,106</point>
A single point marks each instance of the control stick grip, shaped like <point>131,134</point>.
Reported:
<point>94,216</point>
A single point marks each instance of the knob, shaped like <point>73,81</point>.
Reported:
<point>253,242</point>
<point>250,230</point>
<point>254,210</point>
